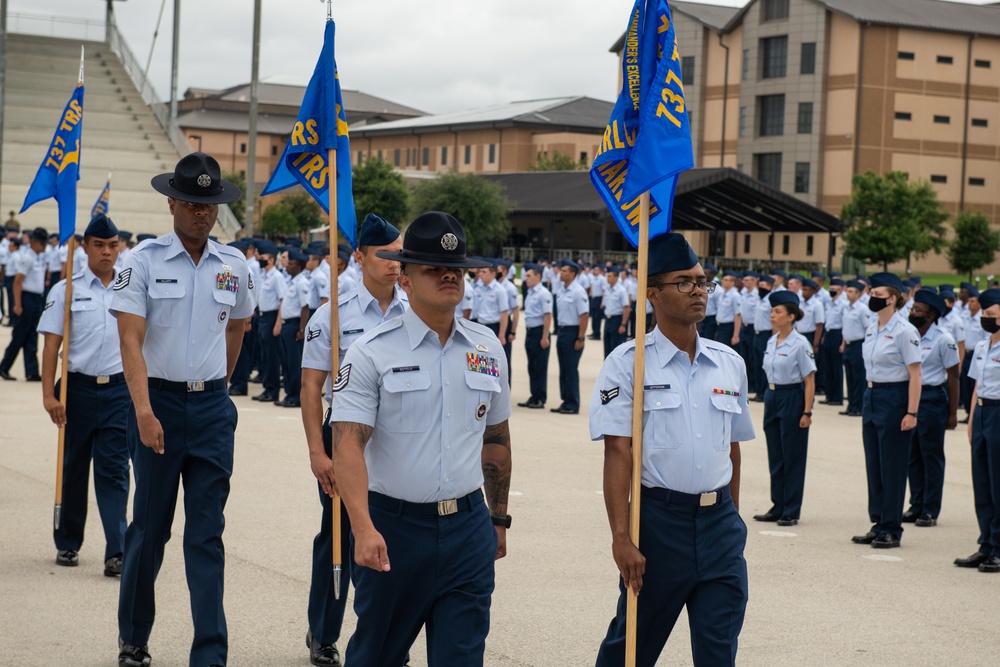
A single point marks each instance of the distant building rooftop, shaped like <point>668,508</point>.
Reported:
<point>716,17</point>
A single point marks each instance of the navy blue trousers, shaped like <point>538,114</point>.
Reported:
<point>926,468</point>
<point>538,364</point>
<point>887,453</point>
<point>95,429</point>
<point>724,333</point>
<point>240,379</point>
<point>569,367</point>
<point>198,433</point>
<point>25,334</point>
<point>8,306</point>
<point>291,359</point>
<point>966,385</point>
<point>760,339</point>
<point>596,316</point>
<point>612,338</point>
<point>986,476</point>
<point>787,447</point>
<point>707,328</point>
<point>694,559</point>
<point>270,353</point>
<point>854,370</point>
<point>442,577</point>
<point>745,349</point>
<point>833,365</point>
<point>326,613</point>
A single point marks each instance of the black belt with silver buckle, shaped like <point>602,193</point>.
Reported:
<point>97,379</point>
<point>853,342</point>
<point>440,508</point>
<point>784,387</point>
<point>931,387</point>
<point>669,496</point>
<point>988,402</point>
<point>193,386</point>
<point>888,385</point>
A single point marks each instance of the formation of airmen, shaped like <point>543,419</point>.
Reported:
<point>417,442</point>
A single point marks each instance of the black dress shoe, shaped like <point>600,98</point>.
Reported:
<point>113,566</point>
<point>559,409</point>
<point>325,655</point>
<point>133,656</point>
<point>289,403</point>
<point>526,404</point>
<point>7,376</point>
<point>991,564</point>
<point>975,560</point>
<point>885,541</point>
<point>767,516</point>
<point>67,558</point>
<point>787,521</point>
<point>537,405</point>
<point>237,392</point>
<point>867,538</point>
<point>832,402</point>
<point>567,411</point>
<point>911,515</point>
<point>925,521</point>
<point>265,397</point>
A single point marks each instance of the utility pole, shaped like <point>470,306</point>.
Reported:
<point>251,194</point>
<point>173,64</point>
<point>3,75</point>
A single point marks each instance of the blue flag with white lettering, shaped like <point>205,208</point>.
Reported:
<point>647,142</point>
<point>320,126</point>
<point>60,170</point>
<point>103,203</point>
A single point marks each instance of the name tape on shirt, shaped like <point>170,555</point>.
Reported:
<point>225,280</point>
<point>405,369</point>
<point>654,387</point>
<point>343,376</point>
<point>351,331</point>
<point>483,364</point>
<point>123,279</point>
<point>608,395</point>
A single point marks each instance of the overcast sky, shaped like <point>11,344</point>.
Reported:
<point>437,56</point>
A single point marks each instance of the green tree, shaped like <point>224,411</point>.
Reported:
<point>278,220</point>
<point>975,244</point>
<point>239,208</point>
<point>556,162</point>
<point>477,203</point>
<point>308,214</point>
<point>380,189</point>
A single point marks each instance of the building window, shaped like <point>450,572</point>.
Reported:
<point>805,117</point>
<point>980,122</point>
<point>274,150</point>
<point>739,167</point>
<point>380,154</point>
<point>809,245</point>
<point>746,244</point>
<point>904,115</point>
<point>687,70</point>
<point>243,148</point>
<point>774,57</point>
<point>492,154</point>
<point>906,55</point>
<point>768,169</point>
<point>468,154</point>
<point>425,158</point>
<point>943,120</point>
<point>444,156</point>
<point>361,157</point>
<point>984,64</point>
<point>978,182</point>
<point>407,157</point>
<point>745,73</point>
<point>786,242</point>
<point>945,60</point>
<point>808,64</point>
<point>583,157</point>
<point>802,177</point>
<point>395,157</point>
<point>243,173</point>
<point>770,244</point>
<point>771,111</point>
<point>743,121</point>
<point>773,10</point>
<point>938,178</point>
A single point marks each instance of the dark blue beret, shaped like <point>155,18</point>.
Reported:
<point>78,237</point>
<point>708,267</point>
<point>809,282</point>
<point>818,274</point>
<point>862,276</point>
<point>974,292</point>
<point>886,279</point>
<point>122,234</point>
<point>990,297</point>
<point>293,241</point>
<point>836,274</point>
<point>947,294</point>
<point>571,264</point>
<point>671,252</point>
<point>783,297</point>
<point>945,287</point>
<point>730,274</point>
<point>54,235</point>
<point>796,276</point>
<point>856,284</point>
<point>376,232</point>
<point>239,244</point>
<point>542,260</point>
<point>836,282</point>
<point>909,282</point>
<point>966,286</point>
<point>101,227</point>
<point>779,273</point>
<point>144,237</point>
<point>615,269</point>
<point>531,266</point>
<point>265,247</point>
<point>932,299</point>
<point>297,256</point>
<point>766,278</point>
<point>318,243</point>
<point>915,279</point>
<point>504,262</point>
<point>344,255</point>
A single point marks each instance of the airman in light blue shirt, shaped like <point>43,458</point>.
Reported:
<point>789,362</point>
<point>887,352</point>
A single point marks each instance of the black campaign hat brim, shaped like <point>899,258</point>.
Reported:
<point>432,260</point>
<point>163,184</point>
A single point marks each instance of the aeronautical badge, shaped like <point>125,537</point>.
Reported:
<point>608,395</point>
<point>123,279</point>
<point>312,333</point>
<point>482,348</point>
<point>482,364</point>
<point>449,241</point>
<point>205,181</point>
<point>480,411</point>
<point>342,377</point>
<point>48,305</point>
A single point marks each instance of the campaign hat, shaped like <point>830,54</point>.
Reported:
<point>197,179</point>
<point>434,239</point>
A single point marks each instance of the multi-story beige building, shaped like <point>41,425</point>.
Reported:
<point>803,94</point>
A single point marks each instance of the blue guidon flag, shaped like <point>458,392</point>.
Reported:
<point>647,142</point>
<point>320,126</point>
<point>103,203</point>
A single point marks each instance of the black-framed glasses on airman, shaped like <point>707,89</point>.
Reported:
<point>687,286</point>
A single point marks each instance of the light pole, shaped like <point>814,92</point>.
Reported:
<point>251,193</point>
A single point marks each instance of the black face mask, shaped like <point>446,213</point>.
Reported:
<point>877,303</point>
<point>918,322</point>
<point>989,324</point>
<point>763,291</point>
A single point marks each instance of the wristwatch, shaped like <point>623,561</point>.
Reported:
<point>581,339</point>
<point>501,521</point>
<point>912,414</point>
<point>808,414</point>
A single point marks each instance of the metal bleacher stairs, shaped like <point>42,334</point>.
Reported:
<point>121,131</point>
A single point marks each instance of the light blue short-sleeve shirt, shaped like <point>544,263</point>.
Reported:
<point>790,361</point>
<point>985,369</point>
<point>571,304</point>
<point>537,304</point>
<point>938,353</point>
<point>887,352</point>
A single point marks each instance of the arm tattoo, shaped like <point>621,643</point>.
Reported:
<point>351,430</point>
<point>497,467</point>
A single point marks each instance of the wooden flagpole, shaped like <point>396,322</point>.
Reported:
<point>334,359</point>
<point>632,602</point>
<point>61,442</point>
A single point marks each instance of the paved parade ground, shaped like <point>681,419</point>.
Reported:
<point>815,598</point>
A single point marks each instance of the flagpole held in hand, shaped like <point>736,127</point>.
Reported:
<point>61,443</point>
<point>335,363</point>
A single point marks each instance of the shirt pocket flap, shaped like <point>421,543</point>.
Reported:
<point>166,290</point>
<point>657,399</point>
<point>726,403</point>
<point>481,381</point>
<point>78,306</point>
<point>224,297</point>
<point>409,381</point>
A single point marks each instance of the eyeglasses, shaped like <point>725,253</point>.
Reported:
<point>687,286</point>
